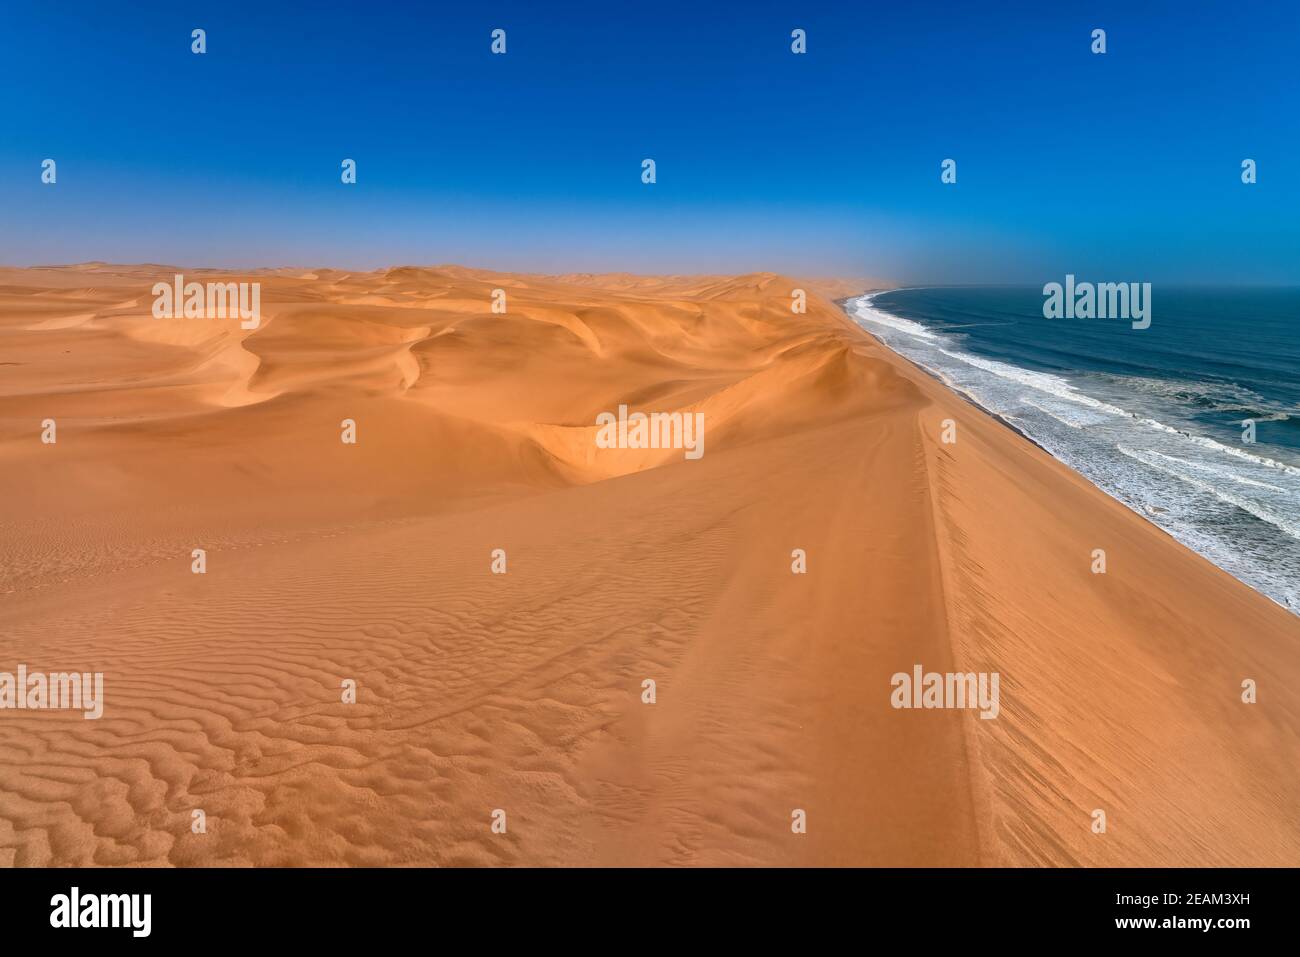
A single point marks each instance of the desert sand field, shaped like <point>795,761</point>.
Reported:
<point>475,691</point>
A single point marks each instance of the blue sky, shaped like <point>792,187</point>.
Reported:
<point>1124,166</point>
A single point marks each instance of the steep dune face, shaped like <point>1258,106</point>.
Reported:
<point>525,692</point>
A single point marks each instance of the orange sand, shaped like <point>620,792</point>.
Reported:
<point>523,691</point>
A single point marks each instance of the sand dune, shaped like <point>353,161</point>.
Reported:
<point>523,691</point>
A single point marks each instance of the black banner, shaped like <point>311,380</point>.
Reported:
<point>335,907</point>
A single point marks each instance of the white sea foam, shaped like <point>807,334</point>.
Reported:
<point>1208,443</point>
<point>1187,474</point>
<point>1053,385</point>
<point>1203,492</point>
<point>1228,474</point>
<point>1064,412</point>
<point>871,314</point>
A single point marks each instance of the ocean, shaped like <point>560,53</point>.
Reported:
<point>1156,417</point>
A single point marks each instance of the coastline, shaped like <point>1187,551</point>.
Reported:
<point>371,562</point>
<point>1159,644</point>
<point>843,306</point>
<point>1209,549</point>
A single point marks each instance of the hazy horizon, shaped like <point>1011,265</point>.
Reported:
<point>895,286</point>
<point>1122,166</point>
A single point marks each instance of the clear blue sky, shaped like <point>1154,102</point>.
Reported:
<point>1124,166</point>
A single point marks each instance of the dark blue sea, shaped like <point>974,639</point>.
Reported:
<point>1159,418</point>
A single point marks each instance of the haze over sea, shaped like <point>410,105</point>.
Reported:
<point>1156,417</point>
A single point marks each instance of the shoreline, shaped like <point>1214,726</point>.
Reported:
<point>1150,517</point>
<point>827,539</point>
<point>967,397</point>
